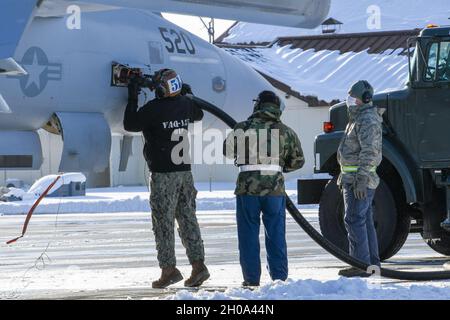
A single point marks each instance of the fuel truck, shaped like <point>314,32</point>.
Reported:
<point>414,192</point>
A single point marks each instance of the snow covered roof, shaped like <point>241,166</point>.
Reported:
<point>356,16</point>
<point>320,69</point>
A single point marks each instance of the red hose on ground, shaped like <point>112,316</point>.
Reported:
<point>35,205</point>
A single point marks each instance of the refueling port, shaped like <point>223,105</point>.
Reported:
<point>53,125</point>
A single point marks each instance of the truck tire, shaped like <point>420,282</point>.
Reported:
<point>392,226</point>
<point>441,246</point>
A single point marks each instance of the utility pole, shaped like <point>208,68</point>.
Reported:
<point>210,28</point>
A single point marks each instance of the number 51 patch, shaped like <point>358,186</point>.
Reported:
<point>175,84</point>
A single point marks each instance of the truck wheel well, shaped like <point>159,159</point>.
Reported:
<point>389,175</point>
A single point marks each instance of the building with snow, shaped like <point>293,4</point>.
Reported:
<point>314,72</point>
<point>319,69</point>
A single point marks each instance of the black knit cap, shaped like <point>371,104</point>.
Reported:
<point>269,96</point>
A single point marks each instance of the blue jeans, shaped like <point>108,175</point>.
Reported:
<point>362,236</point>
<point>248,214</point>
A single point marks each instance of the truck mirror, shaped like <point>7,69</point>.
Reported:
<point>412,51</point>
<point>418,62</point>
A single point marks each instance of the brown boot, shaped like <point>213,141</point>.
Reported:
<point>199,274</point>
<point>169,275</point>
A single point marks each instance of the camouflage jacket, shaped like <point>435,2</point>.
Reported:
<point>275,143</point>
<point>360,148</point>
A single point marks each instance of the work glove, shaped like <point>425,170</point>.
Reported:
<point>360,187</point>
<point>133,90</point>
<point>186,89</point>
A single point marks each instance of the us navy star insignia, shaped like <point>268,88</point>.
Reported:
<point>40,71</point>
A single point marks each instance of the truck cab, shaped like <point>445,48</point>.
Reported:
<point>415,171</point>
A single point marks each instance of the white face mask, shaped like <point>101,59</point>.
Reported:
<point>351,102</point>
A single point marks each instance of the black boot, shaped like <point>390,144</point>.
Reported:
<point>250,284</point>
<point>353,272</point>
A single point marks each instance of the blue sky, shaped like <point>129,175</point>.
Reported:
<point>194,25</point>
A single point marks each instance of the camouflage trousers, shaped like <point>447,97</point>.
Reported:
<point>173,197</point>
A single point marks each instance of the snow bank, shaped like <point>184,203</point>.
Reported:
<point>16,192</point>
<point>126,199</point>
<point>394,15</point>
<point>341,289</point>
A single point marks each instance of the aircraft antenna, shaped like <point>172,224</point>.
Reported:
<point>210,28</point>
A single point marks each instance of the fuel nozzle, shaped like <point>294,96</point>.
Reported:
<point>123,74</point>
<point>143,81</point>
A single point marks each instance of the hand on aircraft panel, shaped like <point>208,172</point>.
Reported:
<point>134,90</point>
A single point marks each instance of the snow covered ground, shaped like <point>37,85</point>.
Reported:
<point>339,289</point>
<point>127,199</point>
<point>356,17</point>
<point>111,255</point>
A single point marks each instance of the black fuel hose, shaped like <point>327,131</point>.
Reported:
<point>318,238</point>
